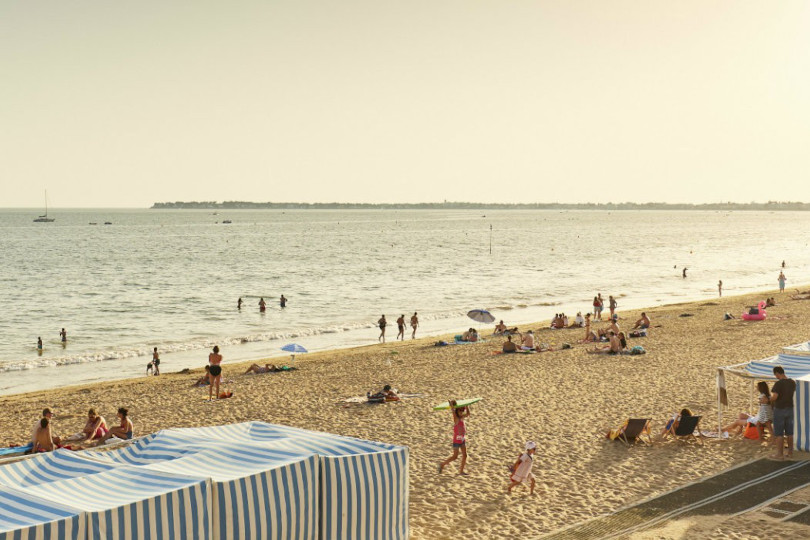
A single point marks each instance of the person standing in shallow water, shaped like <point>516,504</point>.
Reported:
<point>782,280</point>
<point>720,288</point>
<point>239,303</point>
<point>282,302</point>
<point>39,343</point>
<point>262,305</point>
<point>382,324</point>
<point>63,335</point>
<point>414,324</point>
<point>684,272</point>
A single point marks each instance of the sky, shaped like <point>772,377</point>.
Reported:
<point>122,104</point>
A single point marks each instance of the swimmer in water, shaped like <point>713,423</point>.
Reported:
<point>262,305</point>
<point>63,335</point>
<point>39,343</point>
<point>239,303</point>
<point>282,302</point>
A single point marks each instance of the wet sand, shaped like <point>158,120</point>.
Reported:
<point>565,400</point>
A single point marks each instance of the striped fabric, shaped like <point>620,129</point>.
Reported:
<point>801,414</point>
<point>801,349</point>
<point>258,492</point>
<point>49,467</point>
<point>795,366</point>
<point>365,496</point>
<point>135,503</point>
<point>25,517</point>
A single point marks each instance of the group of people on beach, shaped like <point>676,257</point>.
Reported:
<point>382,323</point>
<point>599,305</point>
<point>94,432</point>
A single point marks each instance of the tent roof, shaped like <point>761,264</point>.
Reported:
<point>795,367</point>
<point>286,438</point>
<point>49,467</point>
<point>218,460</point>
<point>117,487</point>
<point>20,510</point>
<point>798,349</point>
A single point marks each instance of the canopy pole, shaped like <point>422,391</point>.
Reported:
<point>720,384</point>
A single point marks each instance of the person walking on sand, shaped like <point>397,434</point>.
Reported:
<point>414,324</point>
<point>282,302</point>
<point>214,372</point>
<point>612,305</point>
<point>401,327</point>
<point>720,288</point>
<point>382,324</point>
<point>63,335</point>
<point>522,469</point>
<point>156,361</point>
<point>239,303</point>
<point>459,437</point>
<point>262,305</point>
<point>782,399</point>
<point>782,280</point>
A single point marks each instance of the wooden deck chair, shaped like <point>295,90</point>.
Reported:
<point>686,428</point>
<point>636,429</point>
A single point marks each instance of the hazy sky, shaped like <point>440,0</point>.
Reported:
<point>128,103</point>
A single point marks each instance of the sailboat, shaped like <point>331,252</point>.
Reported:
<point>45,218</point>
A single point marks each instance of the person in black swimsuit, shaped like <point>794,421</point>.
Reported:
<point>214,372</point>
<point>382,324</point>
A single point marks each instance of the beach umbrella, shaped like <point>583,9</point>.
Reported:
<point>293,348</point>
<point>481,315</point>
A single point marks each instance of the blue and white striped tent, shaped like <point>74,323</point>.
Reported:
<point>129,502</point>
<point>26,517</point>
<point>257,492</point>
<point>363,484</point>
<point>801,404</point>
<point>799,349</point>
<point>49,467</point>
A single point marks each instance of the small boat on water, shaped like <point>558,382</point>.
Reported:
<point>108,223</point>
<point>227,221</point>
<point>45,218</point>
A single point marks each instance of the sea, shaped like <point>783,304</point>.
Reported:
<point>171,278</point>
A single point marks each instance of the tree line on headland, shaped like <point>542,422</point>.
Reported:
<point>448,205</point>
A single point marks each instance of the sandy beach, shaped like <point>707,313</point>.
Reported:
<point>565,400</point>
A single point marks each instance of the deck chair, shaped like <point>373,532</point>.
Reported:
<point>636,430</point>
<point>686,428</point>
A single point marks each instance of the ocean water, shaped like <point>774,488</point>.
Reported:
<point>171,278</point>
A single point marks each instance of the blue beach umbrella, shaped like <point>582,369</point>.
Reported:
<point>481,315</point>
<point>293,348</point>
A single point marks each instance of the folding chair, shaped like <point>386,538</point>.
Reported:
<point>635,430</point>
<point>686,428</point>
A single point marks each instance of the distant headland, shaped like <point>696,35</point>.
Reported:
<point>447,205</point>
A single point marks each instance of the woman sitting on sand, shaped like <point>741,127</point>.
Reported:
<point>579,322</point>
<point>204,380</point>
<point>470,335</point>
<point>96,426</point>
<point>122,431</point>
<point>673,423</point>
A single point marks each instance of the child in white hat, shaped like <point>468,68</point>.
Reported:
<point>522,469</point>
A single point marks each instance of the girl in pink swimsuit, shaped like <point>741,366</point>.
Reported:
<point>459,437</point>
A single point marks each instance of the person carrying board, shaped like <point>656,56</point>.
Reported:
<point>459,437</point>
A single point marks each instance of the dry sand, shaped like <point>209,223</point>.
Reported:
<point>565,400</point>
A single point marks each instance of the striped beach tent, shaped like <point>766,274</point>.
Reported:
<point>257,492</point>
<point>26,517</point>
<point>129,502</point>
<point>799,349</point>
<point>49,467</point>
<point>363,484</point>
<point>801,412</point>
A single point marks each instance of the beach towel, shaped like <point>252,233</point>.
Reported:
<point>15,449</point>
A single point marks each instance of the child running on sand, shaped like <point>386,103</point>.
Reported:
<point>522,469</point>
<point>459,437</point>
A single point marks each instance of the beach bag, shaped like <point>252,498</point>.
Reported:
<point>751,432</point>
<point>638,349</point>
